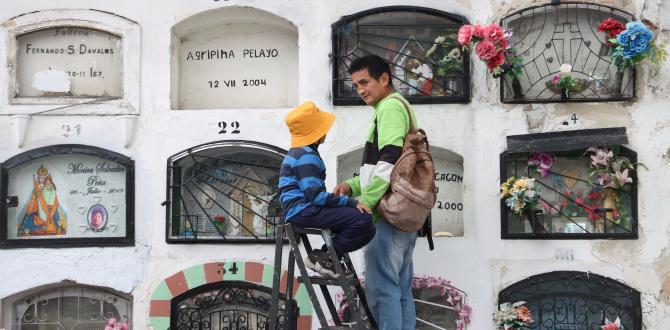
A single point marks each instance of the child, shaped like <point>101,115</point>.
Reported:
<point>303,194</point>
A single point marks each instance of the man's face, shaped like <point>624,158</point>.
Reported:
<point>371,90</point>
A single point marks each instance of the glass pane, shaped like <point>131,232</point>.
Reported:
<point>571,200</point>
<point>422,49</point>
<point>69,61</point>
<point>67,196</point>
<point>226,192</point>
<point>548,36</point>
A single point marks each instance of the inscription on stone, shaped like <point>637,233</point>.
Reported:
<point>69,61</point>
<point>238,66</point>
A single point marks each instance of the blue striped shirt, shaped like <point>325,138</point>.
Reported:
<point>301,183</point>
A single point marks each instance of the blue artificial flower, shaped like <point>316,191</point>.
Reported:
<point>635,39</point>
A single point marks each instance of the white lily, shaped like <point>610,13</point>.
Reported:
<point>565,68</point>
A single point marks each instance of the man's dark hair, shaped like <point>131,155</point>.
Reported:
<point>374,64</point>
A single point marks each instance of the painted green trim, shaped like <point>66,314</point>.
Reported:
<point>162,292</point>
<point>195,276</point>
<point>159,323</point>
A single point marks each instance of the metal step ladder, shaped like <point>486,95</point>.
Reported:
<point>350,286</point>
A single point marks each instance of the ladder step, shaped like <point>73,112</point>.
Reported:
<point>318,280</point>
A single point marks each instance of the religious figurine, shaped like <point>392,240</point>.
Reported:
<point>42,214</point>
<point>424,77</point>
<point>260,208</point>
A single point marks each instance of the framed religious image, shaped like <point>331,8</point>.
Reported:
<point>224,191</point>
<point>420,45</point>
<point>67,195</point>
<point>577,184</point>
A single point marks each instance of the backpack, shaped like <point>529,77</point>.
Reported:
<point>407,203</point>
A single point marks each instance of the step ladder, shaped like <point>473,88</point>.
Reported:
<point>350,286</point>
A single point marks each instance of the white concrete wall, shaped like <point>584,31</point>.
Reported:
<point>480,263</point>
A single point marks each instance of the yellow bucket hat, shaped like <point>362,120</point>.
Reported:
<point>308,124</point>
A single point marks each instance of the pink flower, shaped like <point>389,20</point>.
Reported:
<point>619,179</point>
<point>523,314</point>
<point>602,157</point>
<point>493,32</point>
<point>616,325</point>
<point>478,31</point>
<point>465,34</point>
<point>496,61</point>
<point>555,79</point>
<point>543,162</point>
<point>604,179</point>
<point>486,50</point>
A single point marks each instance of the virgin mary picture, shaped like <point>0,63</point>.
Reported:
<point>42,215</point>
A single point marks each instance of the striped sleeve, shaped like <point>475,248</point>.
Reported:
<point>308,172</point>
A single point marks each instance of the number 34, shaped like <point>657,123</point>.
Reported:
<point>234,127</point>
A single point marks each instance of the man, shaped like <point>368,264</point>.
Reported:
<point>388,257</point>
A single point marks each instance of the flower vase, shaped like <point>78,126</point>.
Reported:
<point>610,202</point>
<point>516,88</point>
<point>565,94</point>
<point>535,118</point>
<point>618,83</point>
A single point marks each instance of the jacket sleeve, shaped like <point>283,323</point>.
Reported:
<point>355,185</point>
<point>392,127</point>
<point>313,187</point>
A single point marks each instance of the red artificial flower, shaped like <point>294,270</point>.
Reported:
<point>493,32</point>
<point>465,34</point>
<point>612,27</point>
<point>496,60</point>
<point>219,218</point>
<point>486,50</point>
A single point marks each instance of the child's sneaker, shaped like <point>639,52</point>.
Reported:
<point>319,261</point>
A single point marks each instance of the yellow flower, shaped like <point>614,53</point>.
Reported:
<point>519,185</point>
<point>504,190</point>
<point>510,181</point>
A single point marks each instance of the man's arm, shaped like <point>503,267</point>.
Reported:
<point>392,127</point>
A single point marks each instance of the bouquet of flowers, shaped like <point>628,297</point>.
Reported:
<point>520,195</point>
<point>616,325</point>
<point>491,45</point>
<point>611,170</point>
<point>513,316</point>
<point>632,44</point>
<point>563,80</point>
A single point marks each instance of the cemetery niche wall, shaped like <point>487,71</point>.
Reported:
<point>67,195</point>
<point>420,44</point>
<point>66,307</point>
<point>71,57</point>
<point>224,192</point>
<point>575,300</point>
<point>575,184</point>
<point>447,214</point>
<point>550,36</point>
<point>225,58</point>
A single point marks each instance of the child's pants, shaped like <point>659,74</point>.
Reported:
<point>352,228</point>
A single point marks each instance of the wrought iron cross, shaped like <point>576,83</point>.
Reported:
<point>566,35</point>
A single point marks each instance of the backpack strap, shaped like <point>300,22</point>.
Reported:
<point>409,114</point>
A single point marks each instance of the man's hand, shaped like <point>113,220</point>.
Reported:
<point>363,208</point>
<point>342,189</point>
